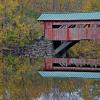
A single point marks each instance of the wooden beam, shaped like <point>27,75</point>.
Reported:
<point>61,47</point>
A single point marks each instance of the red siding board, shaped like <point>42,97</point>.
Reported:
<point>49,62</point>
<point>71,33</point>
<point>68,34</point>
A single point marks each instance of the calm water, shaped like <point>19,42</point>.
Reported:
<point>55,94</point>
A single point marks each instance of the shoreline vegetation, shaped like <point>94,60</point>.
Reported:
<point>19,79</point>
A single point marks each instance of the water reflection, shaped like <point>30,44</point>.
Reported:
<point>21,81</point>
<point>55,94</point>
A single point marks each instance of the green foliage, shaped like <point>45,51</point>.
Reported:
<point>11,60</point>
<point>18,25</point>
<point>86,49</point>
<point>32,14</point>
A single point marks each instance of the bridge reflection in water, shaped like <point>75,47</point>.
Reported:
<point>95,75</point>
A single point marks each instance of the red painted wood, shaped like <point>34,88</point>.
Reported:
<point>75,69</point>
<point>68,34</point>
<point>72,33</point>
<point>44,28</point>
<point>49,62</point>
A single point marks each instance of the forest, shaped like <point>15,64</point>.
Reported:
<point>19,79</point>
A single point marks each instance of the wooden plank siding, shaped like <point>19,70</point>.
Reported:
<point>83,30</point>
<point>78,61</point>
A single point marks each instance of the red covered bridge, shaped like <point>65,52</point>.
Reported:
<point>65,30</point>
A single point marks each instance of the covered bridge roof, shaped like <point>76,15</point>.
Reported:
<point>70,16</point>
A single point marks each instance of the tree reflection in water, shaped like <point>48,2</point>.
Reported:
<point>55,94</point>
<point>20,81</point>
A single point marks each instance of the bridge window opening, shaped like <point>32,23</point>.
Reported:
<point>56,65</point>
<point>76,26</point>
<point>72,26</point>
<point>63,65</point>
<point>56,26</point>
<point>63,26</point>
<point>74,65</point>
<point>86,26</point>
<point>98,26</point>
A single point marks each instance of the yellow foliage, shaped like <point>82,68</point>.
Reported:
<point>16,12</point>
<point>1,7</point>
<point>87,49</point>
<point>91,5</point>
<point>85,89</point>
<point>1,88</point>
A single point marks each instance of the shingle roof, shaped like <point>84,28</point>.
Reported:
<point>70,16</point>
